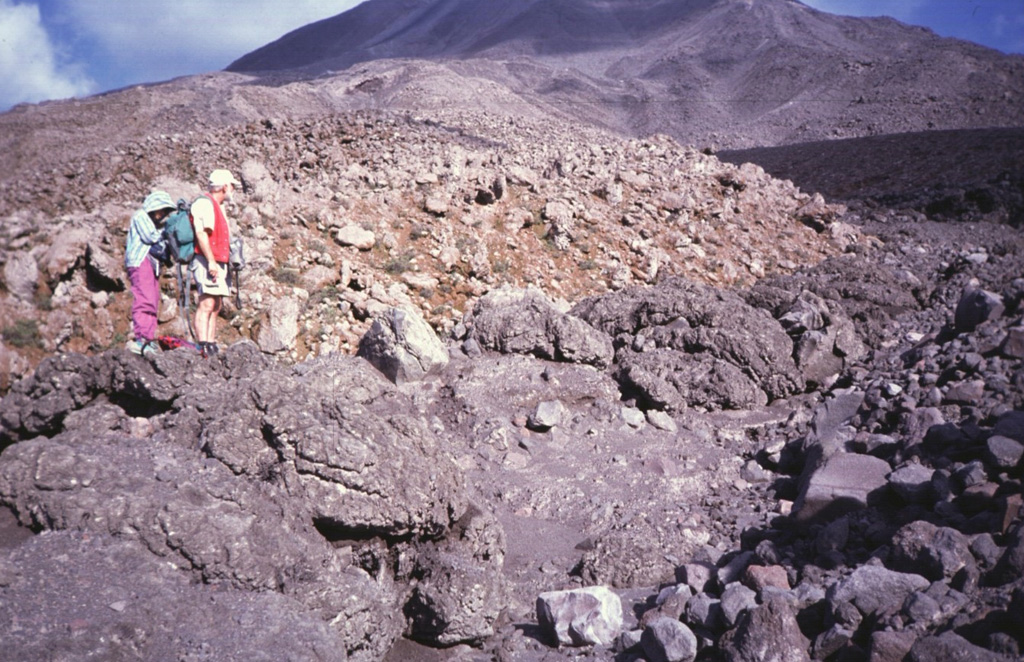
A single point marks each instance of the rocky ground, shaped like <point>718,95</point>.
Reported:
<point>346,216</point>
<point>755,421</point>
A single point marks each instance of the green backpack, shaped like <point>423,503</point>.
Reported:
<point>181,238</point>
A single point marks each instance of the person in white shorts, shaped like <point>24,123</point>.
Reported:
<point>213,250</point>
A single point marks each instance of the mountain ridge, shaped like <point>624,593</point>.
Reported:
<point>729,73</point>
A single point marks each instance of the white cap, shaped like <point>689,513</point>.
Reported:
<point>223,178</point>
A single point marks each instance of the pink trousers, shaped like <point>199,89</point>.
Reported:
<point>145,300</point>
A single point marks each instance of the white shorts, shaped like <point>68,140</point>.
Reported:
<point>201,277</point>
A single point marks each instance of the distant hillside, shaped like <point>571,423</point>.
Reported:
<point>730,73</point>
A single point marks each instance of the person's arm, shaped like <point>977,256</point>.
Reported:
<point>144,228</point>
<point>203,242</point>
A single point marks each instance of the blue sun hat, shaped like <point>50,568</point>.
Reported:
<point>156,201</point>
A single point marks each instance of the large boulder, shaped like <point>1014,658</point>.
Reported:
<point>262,478</point>
<point>120,602</point>
<point>950,647</point>
<point>824,338</point>
<point>527,322</point>
<point>21,275</point>
<point>244,534</point>
<point>768,633</point>
<point>461,589</point>
<point>698,324</point>
<point>280,327</point>
<point>873,589</point>
<point>673,381</point>
<point>352,450</point>
<point>403,346</point>
<point>669,640</point>
<point>839,484</point>
<point>65,253</point>
<point>580,617</point>
<point>935,552</point>
<point>975,307</point>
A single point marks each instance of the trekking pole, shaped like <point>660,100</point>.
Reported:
<point>236,262</point>
<point>184,292</point>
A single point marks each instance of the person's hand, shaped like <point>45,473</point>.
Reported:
<point>213,271</point>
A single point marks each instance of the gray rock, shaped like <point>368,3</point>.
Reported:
<point>912,482</point>
<point>716,330</point>
<point>831,415</point>
<point>661,420</point>
<point>546,415</point>
<point>704,611</point>
<point>975,307</point>
<point>768,633</point>
<point>1010,424</point>
<point>127,604</point>
<point>891,646</point>
<point>65,253</point>
<point>969,392</point>
<point>1013,345</point>
<point>669,640</point>
<point>950,647</point>
<point>581,617</point>
<point>1003,453</point>
<point>21,275</point>
<point>736,599</point>
<point>697,576</point>
<point>921,608</point>
<point>403,346</point>
<point>526,322</point>
<point>633,417</point>
<point>436,204</point>
<point>1011,565</point>
<point>843,482</point>
<point>824,338</point>
<point>674,381</point>
<point>298,462</point>
<point>281,326</point>
<point>833,537</point>
<point>353,235</point>
<point>831,641</point>
<point>355,452</point>
<point>319,277</point>
<point>202,518</point>
<point>875,590</point>
<point>934,552</point>
<point>629,640</point>
<point>461,588</point>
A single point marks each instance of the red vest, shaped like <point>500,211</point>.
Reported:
<point>220,239</point>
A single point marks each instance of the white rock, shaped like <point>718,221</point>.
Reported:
<point>581,617</point>
<point>353,235</point>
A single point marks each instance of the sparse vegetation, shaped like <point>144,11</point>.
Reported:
<point>287,276</point>
<point>398,264</point>
<point>24,333</point>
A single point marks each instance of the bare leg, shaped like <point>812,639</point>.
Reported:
<point>206,317</point>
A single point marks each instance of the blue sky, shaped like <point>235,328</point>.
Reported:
<point>52,49</point>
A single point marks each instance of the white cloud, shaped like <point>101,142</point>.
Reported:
<point>166,38</point>
<point>31,68</point>
<point>1009,29</point>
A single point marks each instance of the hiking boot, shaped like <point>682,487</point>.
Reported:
<point>150,349</point>
<point>208,349</point>
<point>135,346</point>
